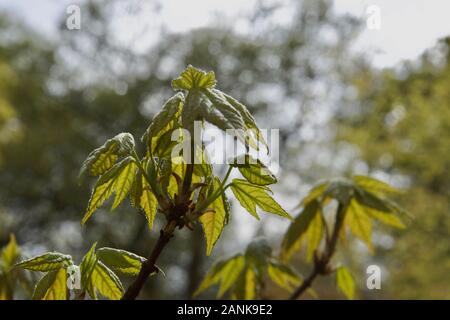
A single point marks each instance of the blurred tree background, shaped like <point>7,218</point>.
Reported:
<point>337,114</point>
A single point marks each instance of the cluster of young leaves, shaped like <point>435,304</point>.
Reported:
<point>363,200</point>
<point>10,278</point>
<point>96,275</point>
<point>156,182</point>
<point>242,276</point>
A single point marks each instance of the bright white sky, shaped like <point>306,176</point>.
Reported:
<point>407,26</point>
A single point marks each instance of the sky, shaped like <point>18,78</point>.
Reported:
<point>407,27</point>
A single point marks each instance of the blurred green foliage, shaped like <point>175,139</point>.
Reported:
<point>402,128</point>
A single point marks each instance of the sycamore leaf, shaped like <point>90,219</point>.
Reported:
<point>224,272</point>
<point>375,186</point>
<point>46,262</point>
<point>103,158</point>
<point>136,190</point>
<point>118,179</point>
<point>214,221</point>
<point>250,196</point>
<point>217,111</point>
<point>283,275</point>
<point>124,181</point>
<point>193,78</point>
<point>249,120</point>
<point>385,217</point>
<point>254,170</point>
<point>106,282</point>
<point>295,235</point>
<point>121,261</point>
<point>313,235</point>
<point>87,266</point>
<point>345,282</point>
<point>52,286</point>
<point>163,121</point>
<point>379,209</point>
<point>10,252</point>
<point>148,203</point>
<point>246,285</point>
<point>359,223</point>
<point>315,193</point>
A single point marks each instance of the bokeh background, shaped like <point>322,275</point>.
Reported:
<point>347,100</point>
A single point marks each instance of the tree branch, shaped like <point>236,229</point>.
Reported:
<point>148,266</point>
<point>321,263</point>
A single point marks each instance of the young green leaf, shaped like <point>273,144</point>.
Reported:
<point>250,196</point>
<point>148,203</point>
<point>359,223</point>
<point>220,113</point>
<point>124,181</point>
<point>345,282</point>
<point>214,221</point>
<point>121,261</point>
<point>254,170</point>
<point>246,285</point>
<point>224,272</point>
<point>117,179</point>
<point>295,235</point>
<point>106,282</point>
<point>193,78</point>
<point>283,275</point>
<point>314,234</point>
<point>315,193</point>
<point>52,286</point>
<point>103,158</point>
<point>87,266</point>
<point>46,262</point>
<point>164,120</point>
<point>10,252</point>
<point>374,185</point>
<point>249,120</point>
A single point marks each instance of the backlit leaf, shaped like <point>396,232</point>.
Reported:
<point>224,272</point>
<point>345,282</point>
<point>283,275</point>
<point>46,262</point>
<point>52,286</point>
<point>246,285</point>
<point>193,78</point>
<point>103,158</point>
<point>315,193</point>
<point>250,196</point>
<point>117,179</point>
<point>106,282</point>
<point>375,186</point>
<point>163,121</point>
<point>10,252</point>
<point>293,238</point>
<point>121,261</point>
<point>254,170</point>
<point>213,222</point>
<point>359,223</point>
<point>86,268</point>
<point>249,120</point>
